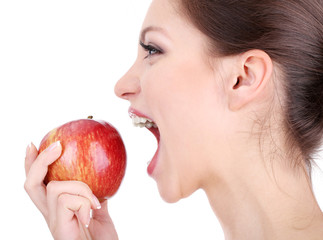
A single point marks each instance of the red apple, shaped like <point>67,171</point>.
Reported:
<point>93,152</point>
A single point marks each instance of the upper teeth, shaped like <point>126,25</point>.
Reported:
<point>143,122</point>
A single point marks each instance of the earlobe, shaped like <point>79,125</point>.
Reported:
<point>254,72</point>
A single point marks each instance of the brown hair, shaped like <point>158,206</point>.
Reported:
<point>291,33</point>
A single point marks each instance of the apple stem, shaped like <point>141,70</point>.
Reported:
<point>90,117</point>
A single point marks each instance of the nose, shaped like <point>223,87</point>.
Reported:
<point>128,86</point>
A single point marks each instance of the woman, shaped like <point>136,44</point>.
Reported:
<point>234,91</point>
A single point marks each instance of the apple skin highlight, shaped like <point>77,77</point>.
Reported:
<point>92,152</point>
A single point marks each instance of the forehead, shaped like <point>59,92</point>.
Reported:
<point>164,14</point>
<point>160,11</point>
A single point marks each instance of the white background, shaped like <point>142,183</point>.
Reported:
<point>59,61</point>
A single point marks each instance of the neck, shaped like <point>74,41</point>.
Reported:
<point>265,202</point>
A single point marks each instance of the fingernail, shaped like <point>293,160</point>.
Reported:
<point>91,216</point>
<point>53,146</point>
<point>96,201</point>
<point>91,213</point>
<point>28,148</point>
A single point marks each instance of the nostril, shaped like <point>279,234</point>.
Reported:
<point>126,96</point>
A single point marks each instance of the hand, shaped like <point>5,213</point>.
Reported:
<point>67,206</point>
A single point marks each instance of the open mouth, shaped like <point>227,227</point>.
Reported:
<point>141,121</point>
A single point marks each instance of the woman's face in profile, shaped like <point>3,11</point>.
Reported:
<point>173,83</point>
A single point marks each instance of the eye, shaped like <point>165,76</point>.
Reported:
<point>151,50</point>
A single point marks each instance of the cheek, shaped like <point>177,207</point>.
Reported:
<point>181,97</point>
<point>183,100</point>
<point>176,86</point>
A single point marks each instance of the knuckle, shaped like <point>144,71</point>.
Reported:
<point>27,186</point>
<point>87,188</point>
<point>82,184</point>
<point>62,199</point>
<point>84,188</point>
<point>51,188</point>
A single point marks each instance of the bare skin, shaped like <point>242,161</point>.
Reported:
<point>207,110</point>
<point>209,131</point>
<point>65,205</point>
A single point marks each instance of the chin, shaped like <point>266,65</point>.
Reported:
<point>172,192</point>
<point>169,192</point>
<point>169,197</point>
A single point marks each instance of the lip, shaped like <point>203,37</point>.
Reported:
<point>135,112</point>
<point>152,165</point>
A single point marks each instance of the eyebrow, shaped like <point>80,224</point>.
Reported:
<point>148,29</point>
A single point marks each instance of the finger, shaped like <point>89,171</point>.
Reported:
<point>102,214</point>
<point>69,206</point>
<point>39,168</point>
<point>85,233</point>
<point>56,188</point>
<point>31,155</point>
<point>34,182</point>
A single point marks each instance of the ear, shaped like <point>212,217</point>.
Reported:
<point>253,74</point>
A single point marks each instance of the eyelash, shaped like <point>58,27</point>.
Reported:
<point>150,49</point>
